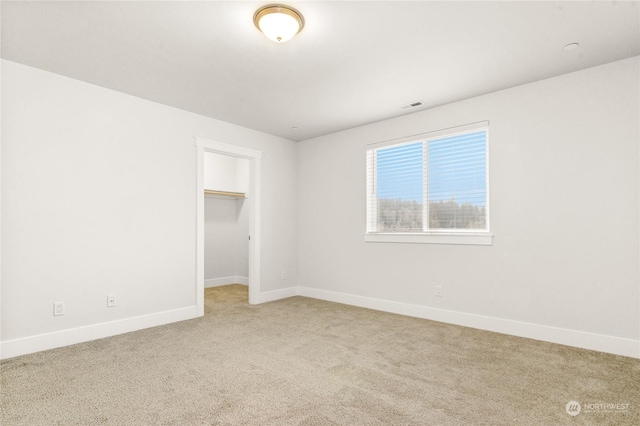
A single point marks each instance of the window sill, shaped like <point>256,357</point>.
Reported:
<point>483,239</point>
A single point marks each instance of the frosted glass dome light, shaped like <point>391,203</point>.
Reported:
<point>278,22</point>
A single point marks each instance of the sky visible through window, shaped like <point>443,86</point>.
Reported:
<point>456,168</point>
<point>400,172</point>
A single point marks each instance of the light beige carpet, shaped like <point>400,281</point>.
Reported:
<point>301,361</point>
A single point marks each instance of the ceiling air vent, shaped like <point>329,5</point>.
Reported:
<point>412,105</point>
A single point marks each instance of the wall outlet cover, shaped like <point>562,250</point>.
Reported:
<point>58,308</point>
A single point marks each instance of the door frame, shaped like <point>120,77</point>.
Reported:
<point>206,145</point>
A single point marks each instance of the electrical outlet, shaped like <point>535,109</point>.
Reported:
<point>284,275</point>
<point>439,290</point>
<point>111,300</point>
<point>58,309</point>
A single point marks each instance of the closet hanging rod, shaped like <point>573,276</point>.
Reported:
<point>225,193</point>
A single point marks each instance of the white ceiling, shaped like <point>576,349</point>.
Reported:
<point>354,62</point>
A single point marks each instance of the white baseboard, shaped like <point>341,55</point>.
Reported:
<point>580,339</point>
<point>234,279</point>
<point>57,339</point>
<point>283,293</point>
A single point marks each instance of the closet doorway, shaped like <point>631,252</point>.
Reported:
<point>238,193</point>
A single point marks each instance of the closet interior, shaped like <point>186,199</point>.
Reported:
<point>226,220</point>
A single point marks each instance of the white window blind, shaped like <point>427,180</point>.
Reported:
<point>431,183</point>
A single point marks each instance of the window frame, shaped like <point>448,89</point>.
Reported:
<point>432,236</point>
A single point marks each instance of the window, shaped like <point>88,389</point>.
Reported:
<point>430,188</point>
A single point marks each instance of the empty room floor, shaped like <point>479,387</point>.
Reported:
<point>305,361</point>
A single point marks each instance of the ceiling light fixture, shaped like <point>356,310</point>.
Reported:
<point>278,22</point>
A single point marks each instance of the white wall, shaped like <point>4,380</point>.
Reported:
<point>226,244</point>
<point>564,211</point>
<point>98,197</point>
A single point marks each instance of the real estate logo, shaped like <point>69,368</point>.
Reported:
<point>573,408</point>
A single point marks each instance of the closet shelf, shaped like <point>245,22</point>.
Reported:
<point>225,193</point>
